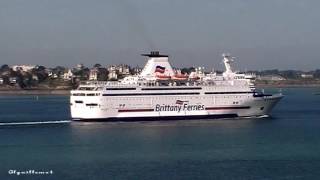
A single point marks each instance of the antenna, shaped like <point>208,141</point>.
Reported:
<point>227,60</point>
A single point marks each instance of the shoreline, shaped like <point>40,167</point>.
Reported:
<point>34,92</point>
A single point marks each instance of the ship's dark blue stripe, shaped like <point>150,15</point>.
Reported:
<point>246,92</point>
<point>229,107</point>
<point>152,94</point>
<point>135,110</point>
<point>164,118</point>
<point>120,88</point>
<point>186,88</point>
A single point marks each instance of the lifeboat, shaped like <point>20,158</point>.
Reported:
<point>194,78</point>
<point>163,77</point>
<point>180,77</point>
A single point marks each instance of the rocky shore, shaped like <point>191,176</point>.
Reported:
<point>13,90</point>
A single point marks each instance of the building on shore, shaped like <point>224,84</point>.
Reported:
<point>123,69</point>
<point>112,72</point>
<point>118,71</point>
<point>13,80</point>
<point>52,74</point>
<point>23,68</point>
<point>79,66</point>
<point>35,78</point>
<point>137,70</point>
<point>307,76</point>
<point>273,77</point>
<point>67,75</point>
<point>94,73</point>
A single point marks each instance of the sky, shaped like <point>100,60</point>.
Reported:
<point>261,34</point>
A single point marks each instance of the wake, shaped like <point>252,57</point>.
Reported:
<point>34,123</point>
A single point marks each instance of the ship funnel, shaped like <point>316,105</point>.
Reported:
<point>157,63</point>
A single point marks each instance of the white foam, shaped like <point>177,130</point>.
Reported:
<point>34,123</point>
<point>255,117</point>
<point>264,116</point>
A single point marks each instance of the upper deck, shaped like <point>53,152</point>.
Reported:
<point>158,75</point>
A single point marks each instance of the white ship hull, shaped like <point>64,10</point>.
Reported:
<point>162,108</point>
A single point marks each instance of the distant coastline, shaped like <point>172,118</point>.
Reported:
<point>288,84</point>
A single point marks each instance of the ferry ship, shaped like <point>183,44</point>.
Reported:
<point>160,93</point>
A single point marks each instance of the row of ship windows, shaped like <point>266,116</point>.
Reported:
<point>94,104</point>
<point>174,98</point>
<point>148,89</point>
<point>190,88</point>
<point>83,94</point>
<point>89,104</point>
<point>149,94</point>
<point>134,94</point>
<point>151,89</point>
<point>159,98</point>
<point>187,93</point>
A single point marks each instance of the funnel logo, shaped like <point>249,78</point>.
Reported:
<point>160,69</point>
<point>179,106</point>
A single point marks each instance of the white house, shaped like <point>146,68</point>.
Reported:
<point>13,80</point>
<point>307,76</point>
<point>79,66</point>
<point>35,77</point>
<point>123,69</point>
<point>24,68</point>
<point>94,73</point>
<point>271,78</point>
<point>112,72</point>
<point>68,75</point>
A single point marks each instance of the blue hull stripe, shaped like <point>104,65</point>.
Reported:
<point>163,118</point>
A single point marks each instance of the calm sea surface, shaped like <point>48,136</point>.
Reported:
<point>285,146</point>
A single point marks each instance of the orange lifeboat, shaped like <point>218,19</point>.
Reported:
<point>194,78</point>
<point>180,77</point>
<point>163,77</point>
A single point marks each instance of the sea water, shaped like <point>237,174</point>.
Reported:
<point>36,134</point>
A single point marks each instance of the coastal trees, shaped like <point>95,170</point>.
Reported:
<point>5,73</point>
<point>103,74</point>
<point>58,70</point>
<point>290,74</point>
<point>97,66</point>
<point>317,73</point>
<point>4,68</point>
<point>187,70</point>
<point>41,73</point>
<point>82,74</point>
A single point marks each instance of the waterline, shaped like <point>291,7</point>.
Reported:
<point>34,123</point>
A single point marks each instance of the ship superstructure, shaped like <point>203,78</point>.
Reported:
<point>160,93</point>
